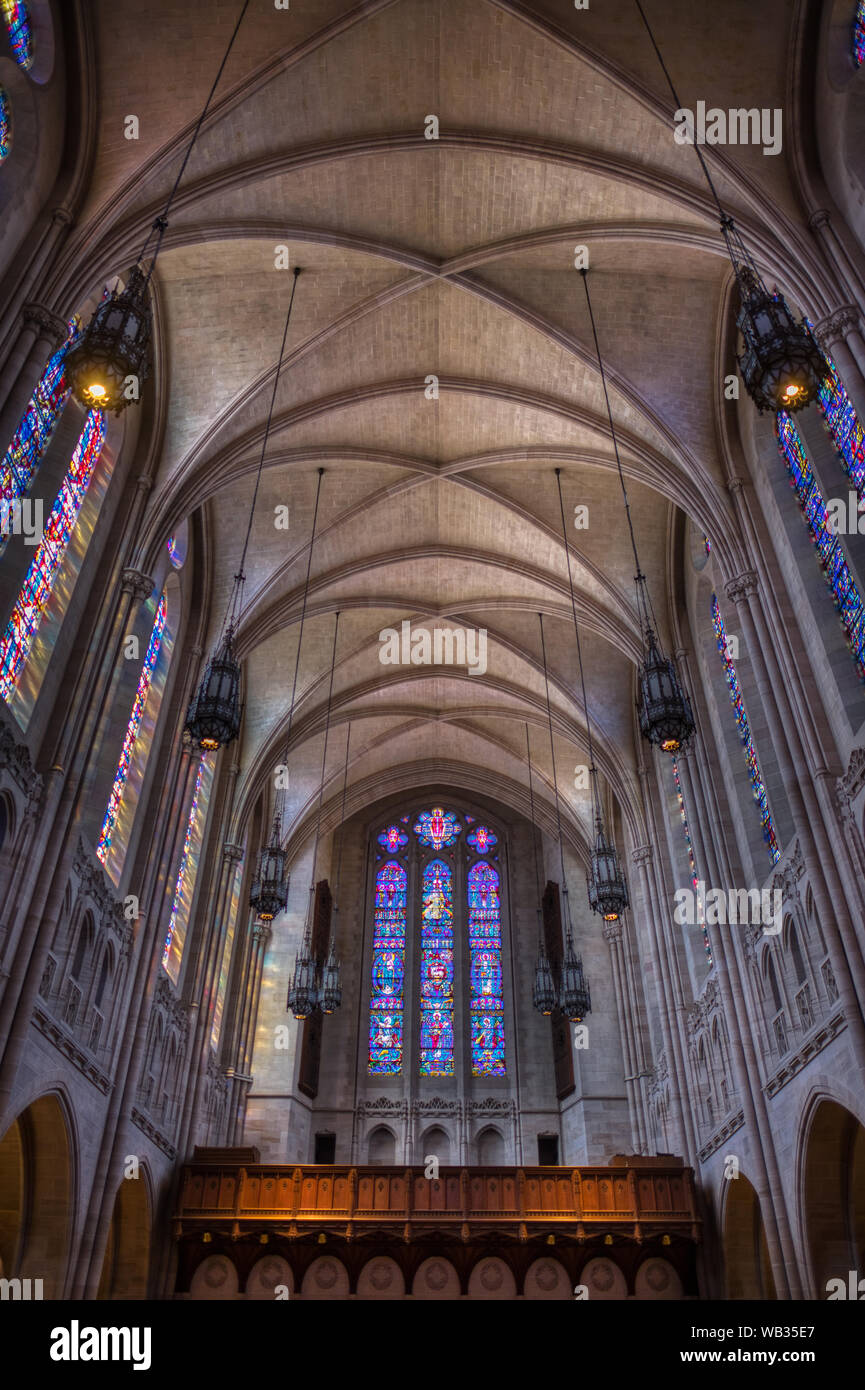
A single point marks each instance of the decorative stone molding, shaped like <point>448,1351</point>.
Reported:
<point>720,1136</point>
<point>850,785</point>
<point>153,1134</point>
<point>788,876</point>
<point>736,485</point>
<point>15,759</point>
<point>836,325</point>
<point>818,219</point>
<point>436,1106</point>
<point>58,1034</point>
<point>612,931</point>
<point>704,1007</point>
<point>815,1042</point>
<point>49,325</point>
<point>743,587</point>
<point>490,1106</point>
<point>138,584</point>
<point>232,852</point>
<point>397,1109</point>
<point>94,885</point>
<point>642,854</point>
<point>165,999</point>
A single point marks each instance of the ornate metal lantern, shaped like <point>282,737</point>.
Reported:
<point>213,716</point>
<point>331,989</point>
<point>575,1000</point>
<point>544,989</point>
<point>781,365</point>
<point>269,893</point>
<point>303,990</point>
<point>666,718</point>
<point>111,359</point>
<point>608,891</point>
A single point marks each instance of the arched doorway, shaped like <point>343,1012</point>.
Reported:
<point>126,1263</point>
<point>748,1273</point>
<point>36,1196</point>
<point>833,1194</point>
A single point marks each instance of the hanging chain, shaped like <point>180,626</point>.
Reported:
<point>308,932</point>
<point>555,783</point>
<point>534,833</point>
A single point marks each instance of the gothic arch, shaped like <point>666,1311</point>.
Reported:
<point>831,1186</point>
<point>126,1262</point>
<point>37,1191</point>
<point>747,1270</point>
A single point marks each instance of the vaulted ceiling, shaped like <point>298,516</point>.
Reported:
<point>454,258</point>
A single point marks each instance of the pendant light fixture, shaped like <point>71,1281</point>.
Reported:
<point>606,884</point>
<point>574,998</point>
<point>666,719</point>
<point>543,989</point>
<point>331,989</point>
<point>782,366</point>
<point>110,361</point>
<point>213,716</point>
<point>269,893</point>
<point>304,993</point>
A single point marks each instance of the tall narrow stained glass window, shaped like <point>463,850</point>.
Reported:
<point>485,946</point>
<point>758,788</point>
<point>5,123</point>
<point>859,35</point>
<point>184,887</point>
<point>437,972</point>
<point>388,970</point>
<point>844,426</point>
<point>18,25</point>
<point>830,552</point>
<point>132,729</point>
<point>38,423</point>
<point>31,602</point>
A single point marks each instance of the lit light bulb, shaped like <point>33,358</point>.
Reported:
<point>670,745</point>
<point>97,390</point>
<point>791,391</point>
<point>611,916</point>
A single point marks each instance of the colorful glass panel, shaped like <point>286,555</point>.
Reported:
<point>756,777</point>
<point>393,839</point>
<point>388,971</point>
<point>843,425</point>
<point>830,552</point>
<point>692,862</point>
<point>181,904</point>
<point>859,35</point>
<point>5,123</point>
<point>36,590</point>
<point>150,659</point>
<point>485,946</point>
<point>437,972</point>
<point>437,829</point>
<point>18,24</point>
<point>38,423</point>
<point>482,840</point>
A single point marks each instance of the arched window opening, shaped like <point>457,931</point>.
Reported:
<point>485,945</point>
<point>33,435</point>
<point>382,1146</point>
<point>437,972</point>
<point>388,970</point>
<point>82,947</point>
<point>105,975</point>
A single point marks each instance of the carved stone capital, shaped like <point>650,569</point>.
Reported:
<point>836,326</point>
<point>735,485</point>
<point>743,587</point>
<point>642,854</point>
<point>232,852</point>
<point>47,324</point>
<point>63,216</point>
<point>612,931</point>
<point>818,219</point>
<point>139,585</point>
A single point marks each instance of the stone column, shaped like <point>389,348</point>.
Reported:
<point>613,937</point>
<point>836,254</point>
<point>838,335</point>
<point>41,335</point>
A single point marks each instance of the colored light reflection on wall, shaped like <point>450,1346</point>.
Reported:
<point>184,888</point>
<point>692,862</point>
<point>222,986</point>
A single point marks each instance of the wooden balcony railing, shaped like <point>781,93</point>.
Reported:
<point>651,1196</point>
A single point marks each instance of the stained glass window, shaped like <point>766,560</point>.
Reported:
<point>843,424</point>
<point>830,552</point>
<point>756,777</point>
<point>437,829</point>
<point>482,839</point>
<point>150,659</point>
<point>437,971</point>
<point>388,970</point>
<point>393,839</point>
<point>692,862</point>
<point>30,604</point>
<point>184,887</point>
<point>5,123</point>
<point>859,35</point>
<point>18,24</point>
<point>32,436</point>
<point>485,945</point>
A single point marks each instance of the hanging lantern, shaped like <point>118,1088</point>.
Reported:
<point>303,991</point>
<point>269,893</point>
<point>781,365</point>
<point>544,990</point>
<point>666,719</point>
<point>111,359</point>
<point>331,990</point>
<point>608,891</point>
<point>575,1000</point>
<point>213,716</point>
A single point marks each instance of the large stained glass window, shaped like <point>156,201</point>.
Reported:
<point>485,945</point>
<point>32,436</point>
<point>388,970</point>
<point>151,657</point>
<point>184,887</point>
<point>436,829</point>
<point>5,123</point>
<point>830,552</point>
<point>437,972</point>
<point>755,775</point>
<point>859,35</point>
<point>35,592</point>
<point>18,25</point>
<point>692,862</point>
<point>843,424</point>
